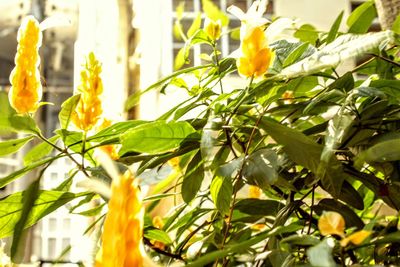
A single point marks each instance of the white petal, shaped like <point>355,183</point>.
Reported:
<point>237,12</point>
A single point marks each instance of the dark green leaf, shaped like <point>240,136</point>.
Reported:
<point>350,217</point>
<point>301,240</point>
<point>193,178</point>
<point>253,206</point>
<point>388,150</point>
<point>156,137</point>
<point>12,146</point>
<point>67,109</point>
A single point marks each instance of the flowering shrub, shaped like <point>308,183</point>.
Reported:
<point>291,169</point>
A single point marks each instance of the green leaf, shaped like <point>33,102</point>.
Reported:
<point>157,235</point>
<point>12,176</point>
<point>307,33</point>
<point>40,151</point>
<point>114,130</point>
<point>30,195</point>
<point>300,148</point>
<point>295,54</point>
<point>193,178</point>
<point>214,13</point>
<point>253,206</point>
<point>301,240</point>
<point>388,150</point>
<point>221,190</point>
<point>260,168</point>
<point>11,208</point>
<point>321,254</point>
<point>195,25</point>
<point>12,146</point>
<point>396,25</point>
<point>67,109</point>
<point>361,18</point>
<point>156,137</point>
<point>182,58</point>
<point>335,28</point>
<point>344,47</point>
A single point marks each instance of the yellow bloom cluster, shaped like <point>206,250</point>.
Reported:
<point>89,110</point>
<point>123,226</point>
<point>26,89</point>
<point>256,55</point>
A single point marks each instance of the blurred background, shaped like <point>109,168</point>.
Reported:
<point>134,40</point>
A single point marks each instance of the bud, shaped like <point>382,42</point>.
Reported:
<point>110,150</point>
<point>26,89</point>
<point>212,28</point>
<point>89,110</point>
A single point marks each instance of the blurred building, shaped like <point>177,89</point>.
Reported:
<point>111,29</point>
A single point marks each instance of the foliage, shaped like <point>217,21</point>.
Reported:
<point>312,139</point>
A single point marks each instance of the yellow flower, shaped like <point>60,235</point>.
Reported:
<point>110,150</point>
<point>254,191</point>
<point>122,234</point>
<point>212,28</point>
<point>26,89</point>
<point>89,110</point>
<point>256,55</point>
<point>355,238</point>
<point>331,223</point>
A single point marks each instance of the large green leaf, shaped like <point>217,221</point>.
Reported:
<point>387,150</point>
<point>67,109</point>
<point>46,202</point>
<point>114,130</point>
<point>12,146</point>
<point>221,190</point>
<point>156,137</point>
<point>193,178</point>
<point>40,151</point>
<point>260,168</point>
<point>300,148</point>
<point>345,47</point>
<point>361,18</point>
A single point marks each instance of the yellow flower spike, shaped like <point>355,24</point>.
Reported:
<point>89,110</point>
<point>212,28</point>
<point>256,55</point>
<point>331,223</point>
<point>123,226</point>
<point>356,238</point>
<point>110,150</point>
<point>26,89</point>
